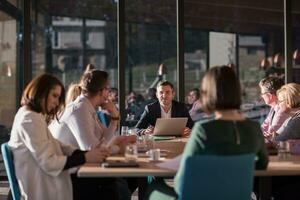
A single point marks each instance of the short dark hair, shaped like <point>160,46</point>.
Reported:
<point>114,90</point>
<point>93,81</point>
<point>271,84</point>
<point>39,89</point>
<point>221,90</point>
<point>196,91</point>
<point>151,92</point>
<point>165,83</point>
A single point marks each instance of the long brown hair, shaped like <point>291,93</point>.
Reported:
<point>38,90</point>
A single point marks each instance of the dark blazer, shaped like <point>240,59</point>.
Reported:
<point>153,111</point>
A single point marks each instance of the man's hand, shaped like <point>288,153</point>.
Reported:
<point>186,132</point>
<point>149,130</point>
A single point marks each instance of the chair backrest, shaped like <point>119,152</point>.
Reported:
<point>218,177</point>
<point>10,171</point>
<point>103,118</point>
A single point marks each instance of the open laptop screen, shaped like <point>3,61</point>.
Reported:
<point>170,126</point>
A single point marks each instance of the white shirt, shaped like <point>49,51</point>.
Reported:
<point>39,159</point>
<point>166,114</point>
<point>79,126</point>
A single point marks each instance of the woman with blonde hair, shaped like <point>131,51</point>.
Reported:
<point>72,93</point>
<point>289,101</point>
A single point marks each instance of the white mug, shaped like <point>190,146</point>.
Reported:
<point>154,154</point>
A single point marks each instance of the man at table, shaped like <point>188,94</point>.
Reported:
<point>165,107</point>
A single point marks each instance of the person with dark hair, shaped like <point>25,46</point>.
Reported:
<point>192,97</point>
<point>194,104</point>
<point>165,107</point>
<point>229,133</point>
<point>276,117</point>
<point>41,162</point>
<point>113,96</point>
<point>79,126</point>
<point>150,98</point>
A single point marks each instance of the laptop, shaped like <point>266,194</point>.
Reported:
<point>170,126</point>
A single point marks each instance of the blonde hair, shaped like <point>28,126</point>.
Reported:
<point>290,93</point>
<point>73,92</point>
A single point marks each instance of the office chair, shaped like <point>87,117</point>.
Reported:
<point>10,171</point>
<point>218,177</point>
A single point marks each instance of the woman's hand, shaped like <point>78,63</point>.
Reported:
<point>97,155</point>
<point>111,108</point>
<point>123,141</point>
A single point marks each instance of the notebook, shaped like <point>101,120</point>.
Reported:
<point>170,126</point>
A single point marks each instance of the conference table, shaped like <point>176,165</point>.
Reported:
<point>288,166</point>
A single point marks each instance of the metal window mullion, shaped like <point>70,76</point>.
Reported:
<point>121,58</point>
<point>180,49</point>
<point>288,62</point>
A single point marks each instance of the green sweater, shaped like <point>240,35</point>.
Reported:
<point>222,137</point>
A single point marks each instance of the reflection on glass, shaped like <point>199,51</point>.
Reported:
<point>77,42</point>
<point>7,70</point>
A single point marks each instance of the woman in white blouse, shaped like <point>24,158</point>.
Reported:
<point>79,125</point>
<point>40,161</point>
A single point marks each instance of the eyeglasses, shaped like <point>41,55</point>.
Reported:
<point>106,88</point>
<point>261,94</point>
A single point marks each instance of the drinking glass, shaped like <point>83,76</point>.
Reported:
<point>131,153</point>
<point>124,130</point>
<point>283,149</point>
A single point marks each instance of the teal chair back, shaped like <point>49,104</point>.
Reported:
<point>104,119</point>
<point>218,177</point>
<point>10,171</point>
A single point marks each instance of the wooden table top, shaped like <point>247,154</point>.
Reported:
<point>277,166</point>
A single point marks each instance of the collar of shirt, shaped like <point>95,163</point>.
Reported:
<point>88,104</point>
<point>166,114</point>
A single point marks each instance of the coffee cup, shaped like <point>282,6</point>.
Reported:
<point>154,154</point>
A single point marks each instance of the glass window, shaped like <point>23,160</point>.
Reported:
<point>296,41</point>
<point>76,43</point>
<point>150,41</point>
<point>7,69</point>
<point>195,57</point>
<point>241,35</point>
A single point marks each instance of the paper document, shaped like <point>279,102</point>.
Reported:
<point>171,164</point>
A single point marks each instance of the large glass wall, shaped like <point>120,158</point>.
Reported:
<point>239,34</point>
<point>150,49</point>
<point>296,40</point>
<point>8,69</point>
<point>71,34</point>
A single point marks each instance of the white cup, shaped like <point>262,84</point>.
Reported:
<point>131,153</point>
<point>154,154</point>
<point>132,131</point>
<point>283,149</point>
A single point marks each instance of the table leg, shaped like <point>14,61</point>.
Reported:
<point>264,188</point>
<point>142,183</point>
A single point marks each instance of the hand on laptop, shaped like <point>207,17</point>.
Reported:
<point>149,130</point>
<point>186,132</point>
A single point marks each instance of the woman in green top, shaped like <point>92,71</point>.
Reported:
<point>229,133</point>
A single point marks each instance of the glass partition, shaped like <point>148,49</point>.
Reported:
<point>8,56</point>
